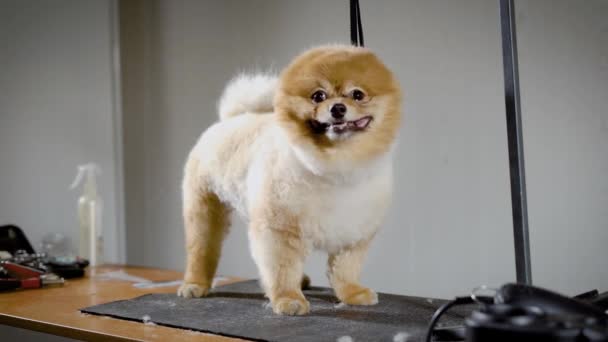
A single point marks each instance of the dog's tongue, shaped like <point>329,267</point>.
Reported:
<point>363,122</point>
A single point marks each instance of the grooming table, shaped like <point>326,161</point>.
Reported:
<point>241,310</point>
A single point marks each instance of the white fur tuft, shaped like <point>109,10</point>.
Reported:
<point>248,94</point>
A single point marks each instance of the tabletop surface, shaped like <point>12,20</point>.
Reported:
<point>54,310</point>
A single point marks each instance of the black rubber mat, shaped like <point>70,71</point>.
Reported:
<point>241,310</point>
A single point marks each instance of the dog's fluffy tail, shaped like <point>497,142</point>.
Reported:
<point>248,93</point>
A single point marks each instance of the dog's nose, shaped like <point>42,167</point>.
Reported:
<point>338,110</point>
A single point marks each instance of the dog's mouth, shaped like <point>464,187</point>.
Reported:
<point>339,126</point>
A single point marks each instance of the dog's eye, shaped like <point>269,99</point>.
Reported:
<point>318,96</point>
<point>358,95</point>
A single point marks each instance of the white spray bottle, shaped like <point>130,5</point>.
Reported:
<point>89,214</point>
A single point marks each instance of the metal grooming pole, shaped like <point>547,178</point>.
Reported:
<point>515,141</point>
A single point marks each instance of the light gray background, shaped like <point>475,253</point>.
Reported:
<point>450,226</point>
<point>564,81</point>
<point>56,112</point>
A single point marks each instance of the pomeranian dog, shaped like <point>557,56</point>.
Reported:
<point>306,159</point>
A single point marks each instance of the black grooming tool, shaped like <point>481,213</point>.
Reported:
<point>16,248</point>
<point>519,312</point>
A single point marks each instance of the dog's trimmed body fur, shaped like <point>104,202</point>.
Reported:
<point>298,189</point>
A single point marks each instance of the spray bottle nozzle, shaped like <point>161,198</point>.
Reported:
<point>90,170</point>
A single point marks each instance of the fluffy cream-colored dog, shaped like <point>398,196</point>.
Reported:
<point>306,159</point>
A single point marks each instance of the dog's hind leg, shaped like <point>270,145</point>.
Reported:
<point>206,221</point>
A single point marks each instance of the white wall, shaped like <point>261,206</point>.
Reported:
<point>56,111</point>
<point>564,80</point>
<point>450,226</point>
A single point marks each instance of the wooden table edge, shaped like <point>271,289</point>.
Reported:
<point>87,334</point>
<point>59,329</point>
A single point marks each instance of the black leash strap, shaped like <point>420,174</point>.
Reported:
<point>356,29</point>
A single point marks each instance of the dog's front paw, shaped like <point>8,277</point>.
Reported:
<point>192,290</point>
<point>357,295</point>
<point>291,305</point>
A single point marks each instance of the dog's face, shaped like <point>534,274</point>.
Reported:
<point>339,103</point>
